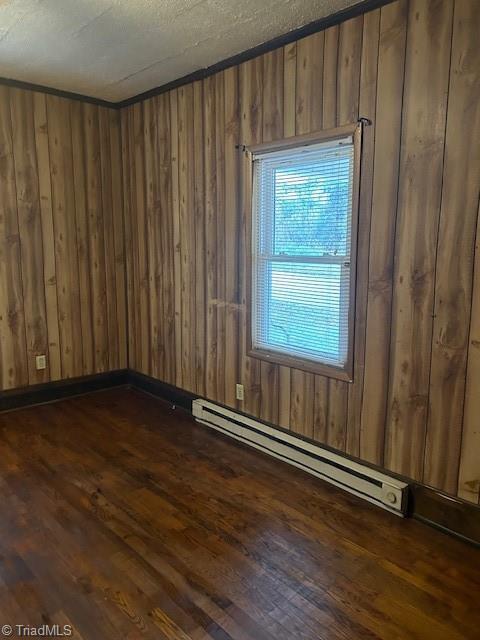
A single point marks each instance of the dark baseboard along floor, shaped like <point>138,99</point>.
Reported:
<point>53,391</point>
<point>447,513</point>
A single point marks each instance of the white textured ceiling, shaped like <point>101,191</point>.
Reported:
<point>114,49</point>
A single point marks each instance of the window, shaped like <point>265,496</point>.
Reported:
<point>303,252</point>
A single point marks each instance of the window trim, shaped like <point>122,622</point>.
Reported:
<point>331,371</point>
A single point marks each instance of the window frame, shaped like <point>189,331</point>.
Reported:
<point>329,370</point>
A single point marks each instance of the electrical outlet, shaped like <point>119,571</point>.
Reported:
<point>41,362</point>
<point>239,391</point>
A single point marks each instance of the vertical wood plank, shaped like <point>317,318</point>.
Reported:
<point>167,269</point>
<point>49,269</point>
<point>150,155</point>
<point>96,237</point>
<point>309,83</point>
<point>289,88</point>
<point>127,160</point>
<point>220,230</point>
<point>81,220</point>
<point>269,385</point>
<point>13,349</point>
<point>134,204</point>
<point>251,127</point>
<point>273,96</point>
<point>391,62</point>
<point>157,247</point>
<point>367,105</point>
<point>302,403</point>
<point>187,232</point>
<point>119,235</point>
<point>330,65</point>
<point>30,230</point>
<point>421,165</point>
<point>289,118</point>
<point>143,329</point>
<point>199,216</point>
<point>272,125</point>
<point>232,229</point>
<point>469,472</point>
<point>320,409</point>
<point>177,263</point>
<point>323,416</point>
<point>337,414</point>
<point>63,203</point>
<point>210,238</point>
<point>109,237</point>
<point>348,70</point>
<point>453,281</point>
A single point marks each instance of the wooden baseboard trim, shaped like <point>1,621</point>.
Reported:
<point>169,393</point>
<point>60,389</point>
<point>447,513</point>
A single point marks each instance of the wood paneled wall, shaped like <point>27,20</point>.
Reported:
<point>412,67</point>
<point>62,271</point>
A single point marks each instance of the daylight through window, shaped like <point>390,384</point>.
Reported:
<point>302,240</point>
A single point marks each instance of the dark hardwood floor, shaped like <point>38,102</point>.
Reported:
<point>125,519</point>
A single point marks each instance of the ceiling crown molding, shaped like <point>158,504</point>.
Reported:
<point>292,36</point>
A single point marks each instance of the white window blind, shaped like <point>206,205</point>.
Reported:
<point>302,224</point>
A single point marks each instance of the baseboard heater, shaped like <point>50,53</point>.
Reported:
<point>369,484</point>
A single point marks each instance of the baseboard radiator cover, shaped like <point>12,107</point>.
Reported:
<point>371,485</point>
